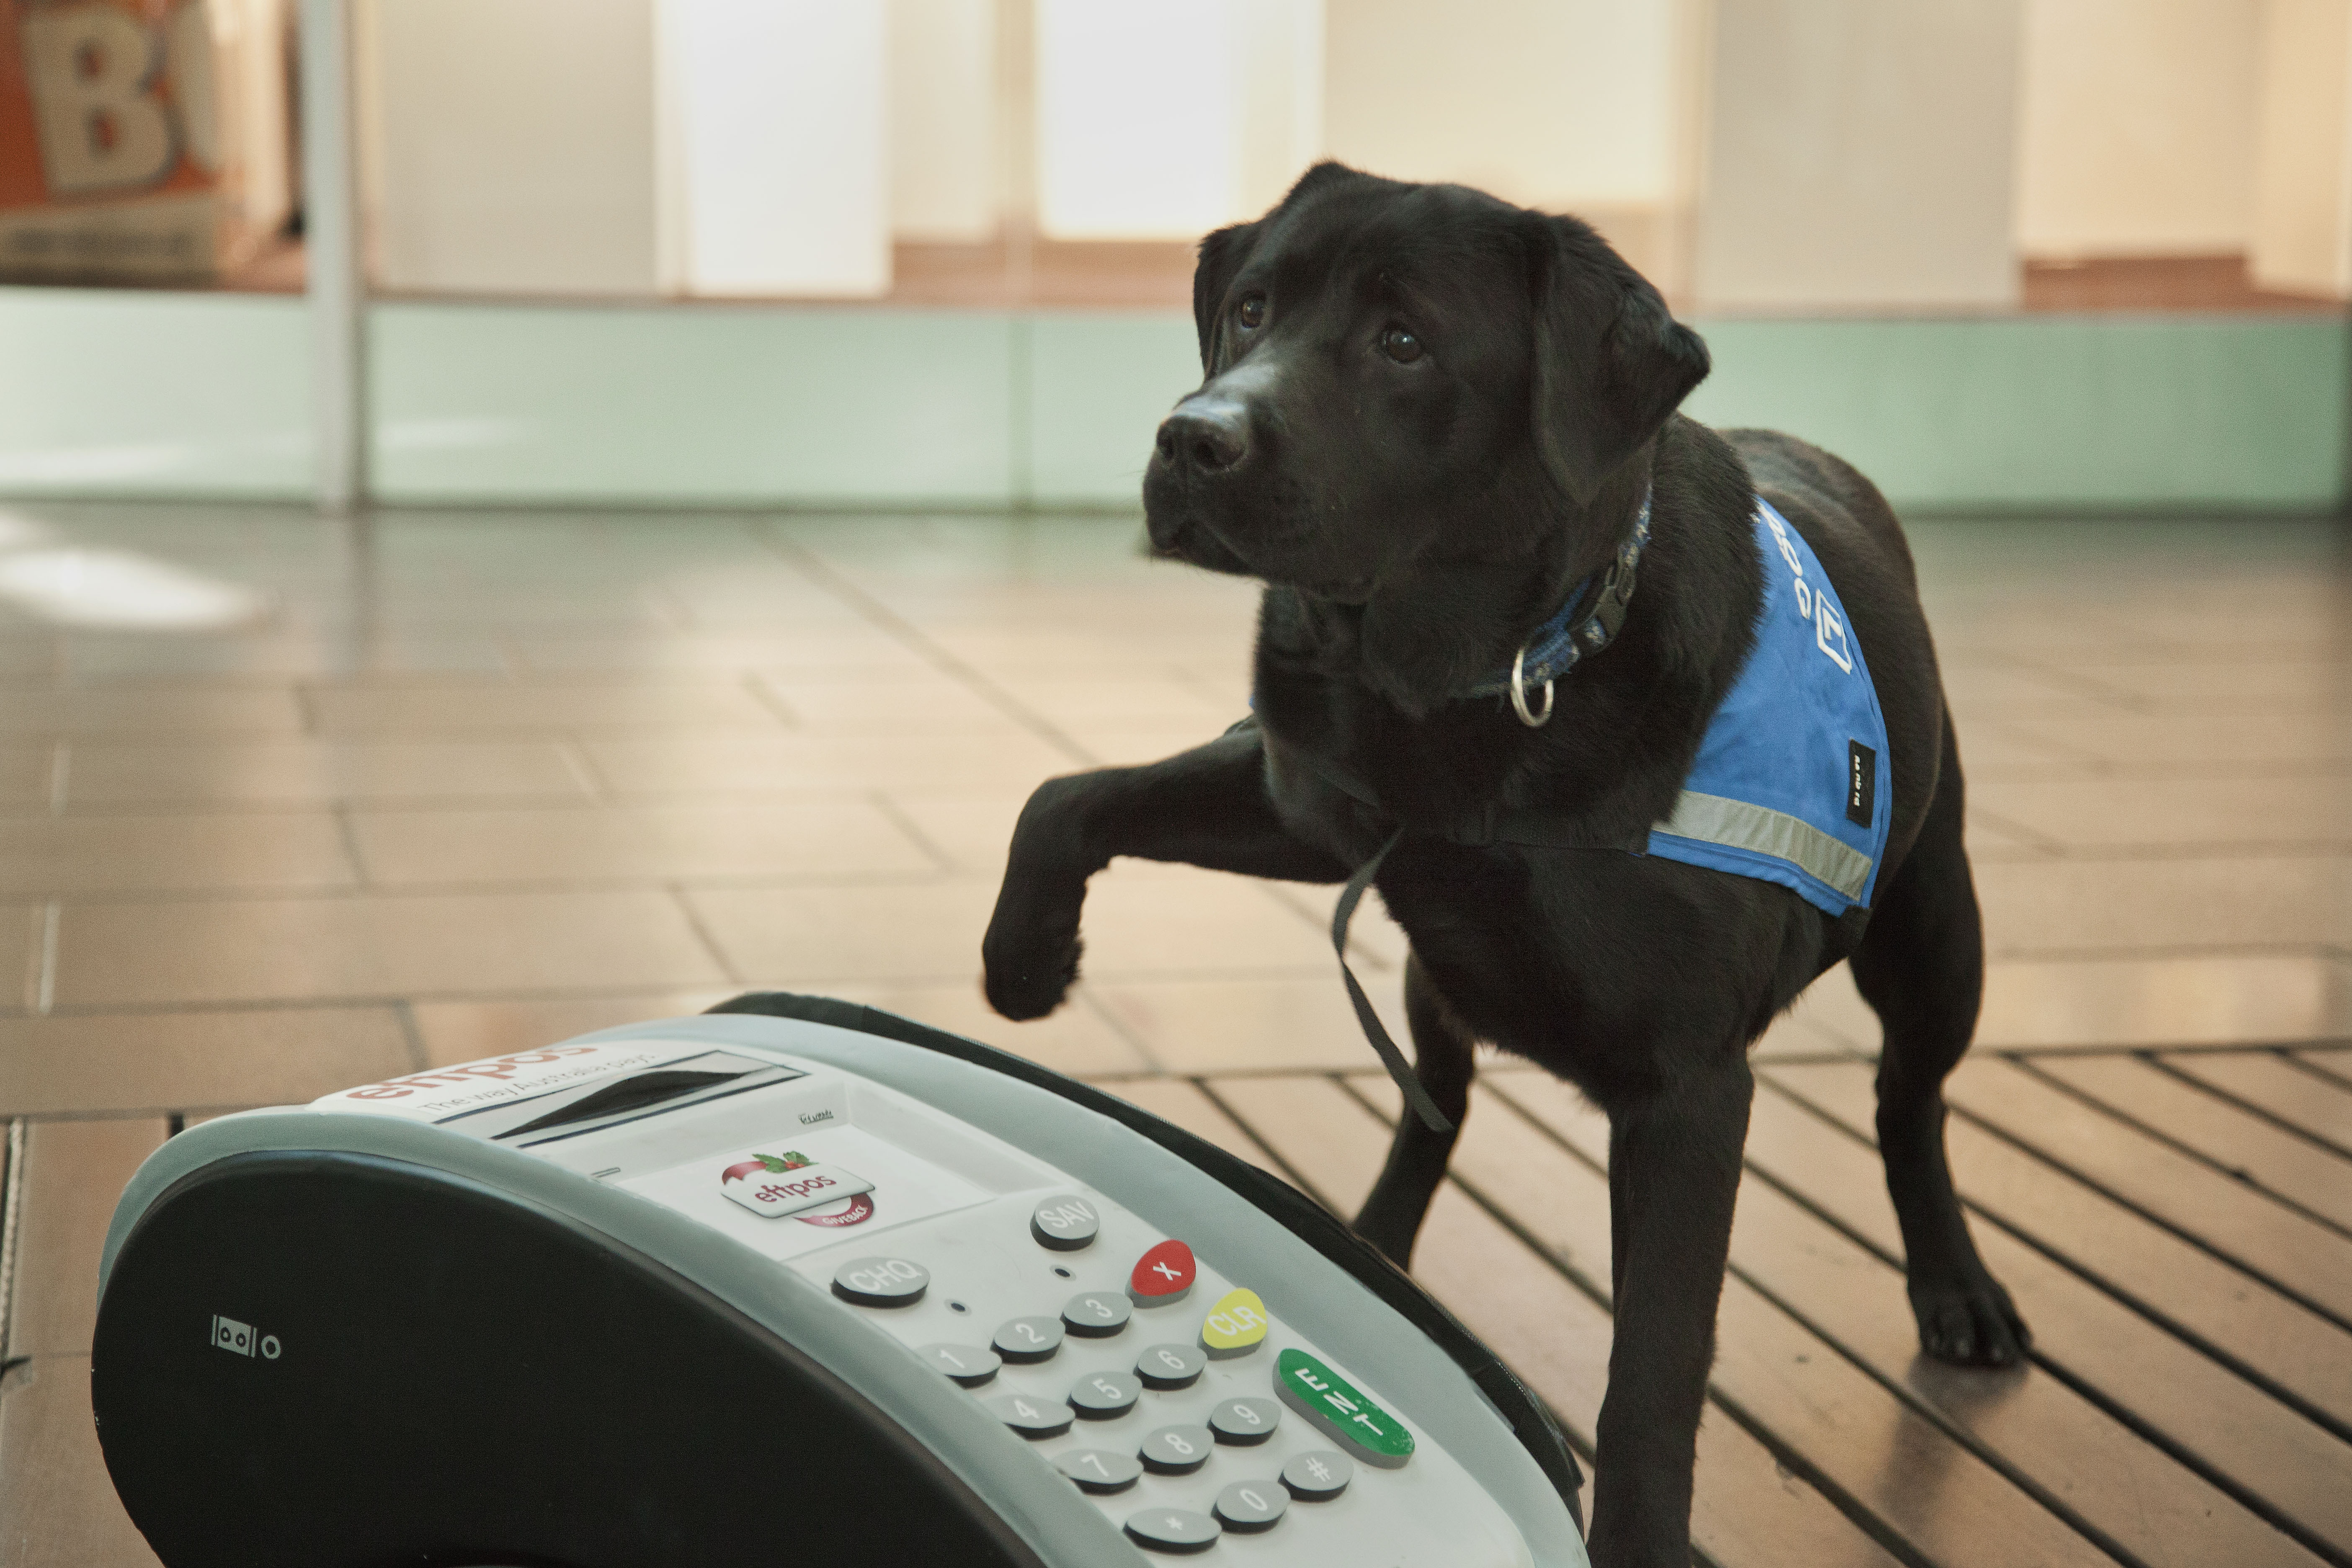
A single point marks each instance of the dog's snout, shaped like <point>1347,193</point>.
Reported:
<point>1208,438</point>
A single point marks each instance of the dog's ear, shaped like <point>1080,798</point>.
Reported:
<point>1611,361</point>
<point>1221,255</point>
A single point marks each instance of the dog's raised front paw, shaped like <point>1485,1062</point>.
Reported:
<point>1969,1322</point>
<point>1032,981</point>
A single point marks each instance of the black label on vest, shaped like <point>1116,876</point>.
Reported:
<point>1861,783</point>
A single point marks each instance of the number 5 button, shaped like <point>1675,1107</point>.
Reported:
<point>1235,1326</point>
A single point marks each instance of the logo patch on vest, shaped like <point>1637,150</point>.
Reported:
<point>1861,783</point>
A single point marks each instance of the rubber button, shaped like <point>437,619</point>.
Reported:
<point>1104,1395</point>
<point>1029,1415</point>
<point>1162,1276</point>
<point>881,1281</point>
<point>1099,1469</point>
<point>1341,1409</point>
<point>1247,1507</point>
<point>969,1365</point>
<point>1235,1326</point>
<point>1245,1422</point>
<point>1177,1450</point>
<point>1173,1529</point>
<point>1097,1314</point>
<point>1317,1477</point>
<point>1065,1224</point>
<point>1170,1366</point>
<point>1023,1341</point>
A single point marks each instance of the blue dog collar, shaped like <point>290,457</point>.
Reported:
<point>1576,632</point>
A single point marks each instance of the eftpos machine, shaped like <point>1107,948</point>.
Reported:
<point>795,1282</point>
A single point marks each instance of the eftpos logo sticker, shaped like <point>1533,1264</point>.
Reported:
<point>239,1339</point>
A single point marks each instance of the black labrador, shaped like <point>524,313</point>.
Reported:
<point>1427,416</point>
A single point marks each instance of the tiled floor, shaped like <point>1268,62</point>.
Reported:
<point>470,783</point>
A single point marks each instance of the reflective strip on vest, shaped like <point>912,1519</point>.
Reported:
<point>1761,830</point>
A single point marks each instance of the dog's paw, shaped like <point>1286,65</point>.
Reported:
<point>1033,983</point>
<point>1969,1322</point>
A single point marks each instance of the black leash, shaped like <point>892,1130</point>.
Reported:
<point>1374,1030</point>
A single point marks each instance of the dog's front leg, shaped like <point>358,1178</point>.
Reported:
<point>1674,1172</point>
<point>1207,806</point>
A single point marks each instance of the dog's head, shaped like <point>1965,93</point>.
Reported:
<point>1395,371</point>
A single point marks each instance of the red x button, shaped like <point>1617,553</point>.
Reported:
<point>1162,1276</point>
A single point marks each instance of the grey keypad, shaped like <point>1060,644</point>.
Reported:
<point>1319,1476</point>
<point>1029,1415</point>
<point>881,1281</point>
<point>1248,1506</point>
<point>1245,1421</point>
<point>1097,1314</point>
<point>1105,1396</point>
<point>1177,1450</point>
<point>1025,1340</point>
<point>1065,1224</point>
<point>969,1365</point>
<point>1099,1469</point>
<point>1173,1529</point>
<point>1170,1367</point>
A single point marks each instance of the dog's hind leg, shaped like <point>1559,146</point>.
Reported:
<point>1442,1060</point>
<point>1921,968</point>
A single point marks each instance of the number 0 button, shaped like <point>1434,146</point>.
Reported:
<point>1097,1314</point>
<point>1025,1340</point>
<point>1177,1450</point>
<point>1248,1506</point>
<point>881,1281</point>
<point>1173,1529</point>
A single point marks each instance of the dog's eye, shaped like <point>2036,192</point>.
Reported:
<point>1253,311</point>
<point>1400,345</point>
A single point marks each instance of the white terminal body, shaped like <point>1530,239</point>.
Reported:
<point>973,1254</point>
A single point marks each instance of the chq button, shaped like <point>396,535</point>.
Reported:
<point>881,1281</point>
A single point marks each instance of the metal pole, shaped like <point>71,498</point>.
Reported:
<point>330,232</point>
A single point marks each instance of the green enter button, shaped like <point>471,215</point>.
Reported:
<point>1337,1405</point>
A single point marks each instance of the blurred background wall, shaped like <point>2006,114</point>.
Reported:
<point>2021,254</point>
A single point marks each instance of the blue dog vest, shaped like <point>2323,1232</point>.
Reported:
<point>1792,783</point>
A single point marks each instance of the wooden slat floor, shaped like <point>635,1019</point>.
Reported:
<point>468,783</point>
<point>2133,1437</point>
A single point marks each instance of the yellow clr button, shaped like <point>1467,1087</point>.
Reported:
<point>1235,1326</point>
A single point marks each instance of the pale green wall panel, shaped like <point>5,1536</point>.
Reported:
<point>2053,411</point>
<point>120,392</point>
<point>1100,383</point>
<point>693,404</point>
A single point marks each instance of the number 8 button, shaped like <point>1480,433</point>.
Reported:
<point>1176,1450</point>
